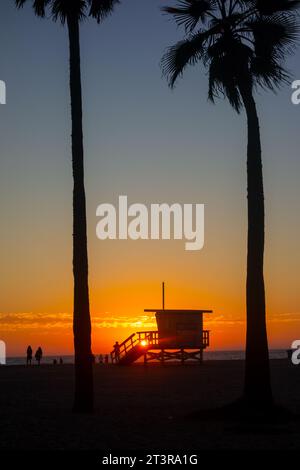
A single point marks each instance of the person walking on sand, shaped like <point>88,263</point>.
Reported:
<point>106,359</point>
<point>39,355</point>
<point>29,356</point>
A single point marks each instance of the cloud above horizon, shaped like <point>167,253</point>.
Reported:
<point>14,321</point>
<point>30,321</point>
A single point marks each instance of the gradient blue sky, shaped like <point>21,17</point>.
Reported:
<point>146,141</point>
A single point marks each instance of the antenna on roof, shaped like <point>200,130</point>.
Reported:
<point>163,295</point>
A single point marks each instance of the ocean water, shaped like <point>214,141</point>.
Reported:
<point>208,356</point>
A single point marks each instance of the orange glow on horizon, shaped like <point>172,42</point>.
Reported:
<point>54,331</point>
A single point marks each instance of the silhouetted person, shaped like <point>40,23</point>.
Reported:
<point>61,361</point>
<point>106,359</point>
<point>39,355</point>
<point>55,362</point>
<point>117,351</point>
<point>101,359</point>
<point>29,355</point>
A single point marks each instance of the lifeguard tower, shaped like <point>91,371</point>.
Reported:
<point>179,337</point>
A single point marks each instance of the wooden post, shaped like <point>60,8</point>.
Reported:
<point>201,356</point>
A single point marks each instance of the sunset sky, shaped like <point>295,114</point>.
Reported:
<point>153,145</point>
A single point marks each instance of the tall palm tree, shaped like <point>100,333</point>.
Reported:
<point>242,44</point>
<point>72,12</point>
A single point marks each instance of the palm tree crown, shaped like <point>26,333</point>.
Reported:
<point>237,40</point>
<point>59,9</point>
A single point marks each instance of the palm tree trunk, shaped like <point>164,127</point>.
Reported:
<point>257,387</point>
<point>81,319</point>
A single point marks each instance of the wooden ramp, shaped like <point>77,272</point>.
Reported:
<point>134,347</point>
<point>133,355</point>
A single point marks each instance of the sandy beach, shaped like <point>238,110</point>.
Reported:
<point>138,408</point>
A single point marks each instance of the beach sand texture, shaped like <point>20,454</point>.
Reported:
<point>138,408</point>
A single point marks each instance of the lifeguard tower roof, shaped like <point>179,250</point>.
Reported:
<point>172,311</point>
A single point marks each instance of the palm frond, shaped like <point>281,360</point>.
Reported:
<point>186,52</point>
<point>228,60</point>
<point>190,12</point>
<point>269,74</point>
<point>222,82</point>
<point>100,9</point>
<point>275,35</point>
<point>20,3</point>
<point>60,9</point>
<point>269,7</point>
<point>39,6</point>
